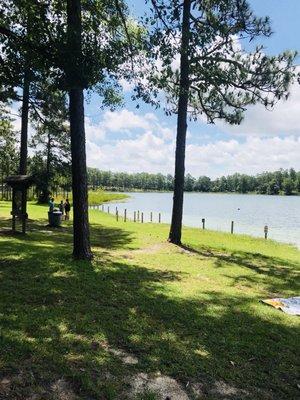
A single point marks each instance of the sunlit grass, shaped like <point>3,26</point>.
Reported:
<point>191,313</point>
<point>96,197</point>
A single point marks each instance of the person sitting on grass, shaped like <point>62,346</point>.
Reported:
<point>67,209</point>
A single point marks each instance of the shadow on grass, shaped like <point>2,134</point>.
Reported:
<point>275,273</point>
<point>59,318</point>
<point>61,238</point>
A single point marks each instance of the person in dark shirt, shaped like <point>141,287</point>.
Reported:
<point>67,209</point>
<point>62,209</point>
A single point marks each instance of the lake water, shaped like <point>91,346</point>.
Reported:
<point>250,213</point>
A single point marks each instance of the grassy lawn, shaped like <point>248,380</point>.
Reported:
<point>96,197</point>
<point>144,310</point>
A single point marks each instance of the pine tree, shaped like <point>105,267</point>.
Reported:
<point>199,63</point>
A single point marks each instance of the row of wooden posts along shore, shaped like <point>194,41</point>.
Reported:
<point>140,217</point>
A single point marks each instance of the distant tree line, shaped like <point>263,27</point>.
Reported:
<point>283,181</point>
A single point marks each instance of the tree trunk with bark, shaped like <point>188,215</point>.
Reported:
<point>2,181</point>
<point>24,124</point>
<point>177,211</point>
<point>81,239</point>
<point>74,73</point>
<point>44,196</point>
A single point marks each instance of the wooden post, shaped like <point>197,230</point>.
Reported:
<point>102,207</point>
<point>266,229</point>
<point>142,217</point>
<point>203,223</point>
<point>125,215</point>
<point>108,209</point>
<point>151,216</point>
<point>117,214</point>
<point>138,215</point>
<point>159,218</point>
<point>134,216</point>
<point>232,224</point>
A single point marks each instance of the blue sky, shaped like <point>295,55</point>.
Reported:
<point>142,139</point>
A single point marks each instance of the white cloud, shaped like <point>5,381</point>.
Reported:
<point>252,156</point>
<point>168,133</point>
<point>94,132</point>
<point>151,153</point>
<point>124,120</point>
<point>148,152</point>
<point>16,120</point>
<point>126,86</point>
<point>153,146</point>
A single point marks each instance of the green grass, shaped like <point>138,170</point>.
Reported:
<point>191,313</point>
<point>97,197</point>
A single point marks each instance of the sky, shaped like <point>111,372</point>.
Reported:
<point>143,140</point>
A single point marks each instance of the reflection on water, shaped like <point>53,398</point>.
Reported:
<point>250,213</point>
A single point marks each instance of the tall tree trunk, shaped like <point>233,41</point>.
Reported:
<point>79,182</point>
<point>45,192</point>
<point>81,239</point>
<point>2,181</point>
<point>176,223</point>
<point>48,161</point>
<point>48,166</point>
<point>24,124</point>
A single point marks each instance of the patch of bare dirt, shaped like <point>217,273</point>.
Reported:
<point>164,387</point>
<point>124,356</point>
<point>217,390</point>
<point>5,386</point>
<point>62,391</point>
<point>155,248</point>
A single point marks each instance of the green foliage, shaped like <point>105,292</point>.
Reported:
<point>8,153</point>
<point>271,183</point>
<point>288,186</point>
<point>37,31</point>
<point>223,77</point>
<point>50,165</point>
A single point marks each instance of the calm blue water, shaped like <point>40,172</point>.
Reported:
<point>250,213</point>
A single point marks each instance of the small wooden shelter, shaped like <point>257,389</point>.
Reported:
<point>19,185</point>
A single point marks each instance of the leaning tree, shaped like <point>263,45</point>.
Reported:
<point>203,66</point>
